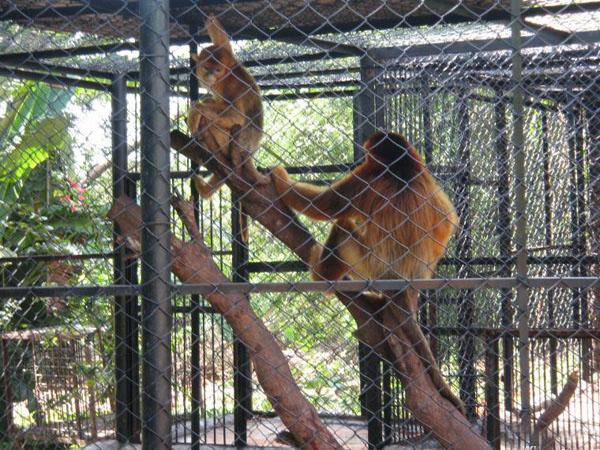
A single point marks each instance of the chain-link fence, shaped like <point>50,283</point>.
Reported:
<point>322,224</point>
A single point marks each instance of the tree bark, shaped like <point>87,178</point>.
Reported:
<point>555,408</point>
<point>193,263</point>
<point>375,324</point>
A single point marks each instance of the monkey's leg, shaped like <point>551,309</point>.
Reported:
<point>242,161</point>
<point>207,188</point>
<point>328,262</point>
<point>405,312</point>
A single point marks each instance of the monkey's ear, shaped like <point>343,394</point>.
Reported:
<point>217,33</point>
<point>196,57</point>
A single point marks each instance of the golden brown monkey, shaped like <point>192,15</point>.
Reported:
<point>236,100</point>
<point>392,220</point>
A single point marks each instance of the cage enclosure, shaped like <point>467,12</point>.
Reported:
<point>135,310</point>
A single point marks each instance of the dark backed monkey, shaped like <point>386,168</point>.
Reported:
<point>236,100</point>
<point>391,220</point>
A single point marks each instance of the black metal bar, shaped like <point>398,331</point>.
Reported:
<point>197,308</point>
<point>6,404</point>
<point>58,70</point>
<point>241,357</point>
<point>577,194</point>
<point>476,46</point>
<point>504,232</point>
<point>67,291</point>
<point>119,170</point>
<point>37,55</point>
<point>388,401</point>
<point>492,392</point>
<point>132,310</point>
<point>574,222</point>
<point>371,396</point>
<point>299,95</point>
<point>53,80</point>
<point>329,46</point>
<point>466,310</point>
<point>518,140</point>
<point>366,121</point>
<point>155,199</point>
<point>548,241</point>
<point>533,333</point>
<point>14,259</point>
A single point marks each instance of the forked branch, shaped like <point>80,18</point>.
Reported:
<point>375,322</point>
<point>193,263</point>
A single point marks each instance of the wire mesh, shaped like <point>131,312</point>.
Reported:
<point>192,319</point>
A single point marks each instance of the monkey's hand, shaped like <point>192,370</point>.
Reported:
<point>212,25</point>
<point>193,120</point>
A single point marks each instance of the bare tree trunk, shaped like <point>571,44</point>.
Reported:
<point>375,324</point>
<point>193,263</point>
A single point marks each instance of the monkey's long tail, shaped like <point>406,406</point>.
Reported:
<point>407,321</point>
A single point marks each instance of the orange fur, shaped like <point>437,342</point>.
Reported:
<point>236,100</point>
<point>391,220</point>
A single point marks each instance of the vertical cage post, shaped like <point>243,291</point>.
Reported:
<point>6,406</point>
<point>520,216</point>
<point>503,230</point>
<point>155,197</point>
<point>196,372</point>
<point>466,311</point>
<point>241,358</point>
<point>492,391</point>
<point>548,238</point>
<point>578,221</point>
<point>368,117</point>
<point>126,318</point>
<point>593,105</point>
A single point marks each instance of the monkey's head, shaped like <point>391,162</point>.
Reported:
<point>393,153</point>
<point>213,64</point>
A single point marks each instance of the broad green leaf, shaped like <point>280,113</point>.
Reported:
<point>34,148</point>
<point>6,252</point>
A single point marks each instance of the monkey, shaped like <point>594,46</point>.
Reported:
<point>391,220</point>
<point>236,100</point>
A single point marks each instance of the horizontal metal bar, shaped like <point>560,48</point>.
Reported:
<point>59,70</point>
<point>68,291</point>
<point>539,333</point>
<point>322,94</point>
<point>329,46</point>
<point>331,168</point>
<point>476,46</point>
<point>68,52</point>
<point>383,285</point>
<point>189,309</point>
<point>53,80</point>
<point>310,286</point>
<point>299,266</point>
<point>56,257</point>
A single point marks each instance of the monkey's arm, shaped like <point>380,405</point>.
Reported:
<point>322,203</point>
<point>342,253</point>
<point>217,33</point>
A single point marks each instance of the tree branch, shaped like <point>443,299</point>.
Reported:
<point>555,408</point>
<point>374,322</point>
<point>193,263</point>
